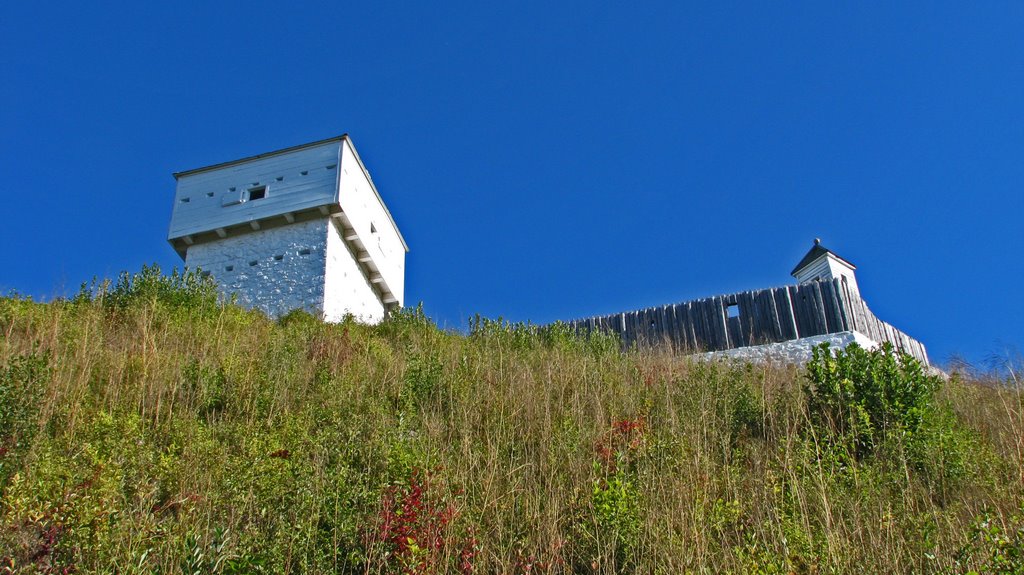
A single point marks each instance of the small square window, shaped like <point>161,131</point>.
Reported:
<point>257,193</point>
<point>229,268</point>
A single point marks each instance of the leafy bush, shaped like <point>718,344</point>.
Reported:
<point>868,396</point>
<point>880,400</point>
<point>994,547</point>
<point>22,382</point>
<point>189,289</point>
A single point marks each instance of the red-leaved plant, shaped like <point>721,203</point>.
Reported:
<point>412,529</point>
<point>625,437</point>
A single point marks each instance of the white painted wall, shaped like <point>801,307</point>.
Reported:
<point>347,290</point>
<point>248,265</point>
<point>828,267</point>
<point>365,209</point>
<point>839,269</point>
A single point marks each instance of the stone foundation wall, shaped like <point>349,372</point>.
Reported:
<point>275,270</point>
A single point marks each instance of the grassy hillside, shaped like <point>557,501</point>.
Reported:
<point>145,428</point>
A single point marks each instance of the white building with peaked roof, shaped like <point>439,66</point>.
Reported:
<point>821,263</point>
<point>298,228</point>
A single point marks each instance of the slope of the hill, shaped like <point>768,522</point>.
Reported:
<point>145,428</point>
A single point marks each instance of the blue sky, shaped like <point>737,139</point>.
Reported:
<point>550,161</point>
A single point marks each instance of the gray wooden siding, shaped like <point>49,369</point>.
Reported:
<point>298,180</point>
<point>819,268</point>
<point>764,316</point>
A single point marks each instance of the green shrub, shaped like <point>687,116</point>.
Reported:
<point>189,289</point>
<point>868,396</point>
<point>22,382</point>
<point>882,402</point>
<point>993,547</point>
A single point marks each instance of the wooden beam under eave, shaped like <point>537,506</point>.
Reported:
<point>351,235</point>
<point>376,278</point>
<point>188,240</point>
<point>289,217</point>
<point>222,233</point>
<point>363,257</point>
<point>325,210</point>
<point>390,299</point>
<point>255,225</point>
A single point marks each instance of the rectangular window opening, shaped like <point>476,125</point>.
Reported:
<point>229,268</point>
<point>252,263</point>
<point>279,178</point>
<point>304,172</point>
<point>209,194</point>
<point>257,193</point>
<point>304,252</point>
<point>278,258</point>
<point>732,310</point>
<point>332,166</point>
<point>185,200</point>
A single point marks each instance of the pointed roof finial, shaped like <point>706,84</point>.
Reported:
<point>816,252</point>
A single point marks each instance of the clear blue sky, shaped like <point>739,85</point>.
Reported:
<point>550,160</point>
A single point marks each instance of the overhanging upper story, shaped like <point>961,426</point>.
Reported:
<point>316,180</point>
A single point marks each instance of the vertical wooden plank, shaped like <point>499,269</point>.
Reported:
<point>760,324</point>
<point>703,309</point>
<point>833,318</point>
<point>775,322</point>
<point>690,325</point>
<point>734,325</point>
<point>737,325</point>
<point>664,338</point>
<point>714,327</point>
<point>787,318</point>
<point>721,330</point>
<point>798,297</point>
<point>650,325</point>
<point>678,340</point>
<point>699,339</point>
<point>843,293</point>
<point>820,325</point>
<point>753,321</point>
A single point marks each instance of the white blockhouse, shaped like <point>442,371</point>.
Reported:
<point>302,227</point>
<point>821,263</point>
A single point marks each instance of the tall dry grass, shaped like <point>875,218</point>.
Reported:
<point>162,436</point>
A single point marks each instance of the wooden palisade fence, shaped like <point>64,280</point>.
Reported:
<point>753,318</point>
